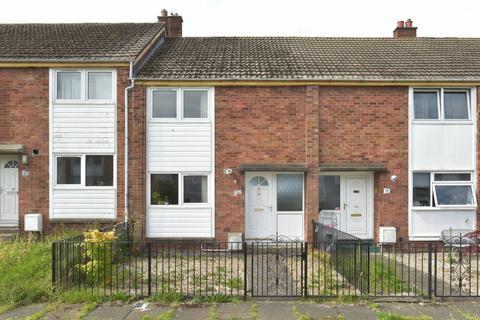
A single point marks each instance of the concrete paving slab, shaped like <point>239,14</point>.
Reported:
<point>23,312</point>
<point>438,311</point>
<point>239,310</point>
<point>110,311</point>
<point>404,309</point>
<point>64,311</point>
<point>192,312</point>
<point>275,310</point>
<point>317,311</point>
<point>152,310</point>
<point>356,312</point>
<point>470,307</point>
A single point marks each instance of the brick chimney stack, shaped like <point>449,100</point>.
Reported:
<point>405,29</point>
<point>173,23</point>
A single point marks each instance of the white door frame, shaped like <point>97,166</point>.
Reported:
<point>4,160</point>
<point>275,212</point>
<point>342,213</point>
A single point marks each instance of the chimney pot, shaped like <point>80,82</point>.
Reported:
<point>164,13</point>
<point>405,29</point>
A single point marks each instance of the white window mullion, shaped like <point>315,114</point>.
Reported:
<point>180,104</point>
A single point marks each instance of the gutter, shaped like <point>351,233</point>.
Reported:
<point>127,89</point>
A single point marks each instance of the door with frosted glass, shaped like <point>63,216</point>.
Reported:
<point>289,206</point>
<point>259,209</point>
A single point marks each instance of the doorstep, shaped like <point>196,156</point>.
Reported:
<point>8,233</point>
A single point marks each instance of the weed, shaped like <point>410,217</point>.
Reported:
<point>83,313</point>
<point>25,269</point>
<point>394,316</point>
<point>254,312</point>
<point>213,313</point>
<point>167,297</point>
<point>169,315</point>
<point>218,298</point>
<point>40,314</point>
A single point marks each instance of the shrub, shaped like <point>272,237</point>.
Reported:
<point>99,262</point>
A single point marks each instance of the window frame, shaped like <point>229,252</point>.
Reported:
<point>434,183</point>
<point>181,192</point>
<point>469,184</point>
<point>469,109</point>
<point>83,172</point>
<point>84,87</point>
<point>439,102</point>
<point>64,185</point>
<point>441,107</point>
<point>180,104</point>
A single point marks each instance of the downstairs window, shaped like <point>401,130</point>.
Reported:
<point>443,190</point>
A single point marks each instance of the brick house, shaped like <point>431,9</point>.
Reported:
<point>238,135</point>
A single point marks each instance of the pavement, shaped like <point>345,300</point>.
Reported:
<point>256,310</point>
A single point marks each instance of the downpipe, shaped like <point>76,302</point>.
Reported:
<point>127,89</point>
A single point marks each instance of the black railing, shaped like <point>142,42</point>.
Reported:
<point>322,269</point>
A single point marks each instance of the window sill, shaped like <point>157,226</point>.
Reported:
<point>445,208</point>
<point>443,122</point>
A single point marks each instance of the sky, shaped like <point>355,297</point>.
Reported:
<point>349,18</point>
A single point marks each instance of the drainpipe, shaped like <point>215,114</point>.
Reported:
<point>127,89</point>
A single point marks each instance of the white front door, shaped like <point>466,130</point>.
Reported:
<point>274,206</point>
<point>259,218</point>
<point>8,192</point>
<point>350,196</point>
<point>356,205</point>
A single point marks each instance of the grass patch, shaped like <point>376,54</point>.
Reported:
<point>25,272</point>
<point>40,314</point>
<point>169,315</point>
<point>254,312</point>
<point>218,298</point>
<point>394,316</point>
<point>167,297</point>
<point>213,313</point>
<point>89,307</point>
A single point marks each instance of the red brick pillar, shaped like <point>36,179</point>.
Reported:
<point>312,158</point>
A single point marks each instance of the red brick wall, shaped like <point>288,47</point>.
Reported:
<point>370,125</point>
<point>24,120</point>
<point>24,104</point>
<point>137,158</point>
<point>253,125</point>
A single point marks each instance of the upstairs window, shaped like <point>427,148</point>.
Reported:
<point>83,85</point>
<point>99,85</point>
<point>165,104</point>
<point>456,105</point>
<point>69,85</point>
<point>442,104</point>
<point>443,190</point>
<point>180,104</point>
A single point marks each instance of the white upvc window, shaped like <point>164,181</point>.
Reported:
<point>180,104</point>
<point>442,104</point>
<point>79,86</point>
<point>179,189</point>
<point>87,170</point>
<point>443,190</point>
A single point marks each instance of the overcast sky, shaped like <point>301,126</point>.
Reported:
<point>437,18</point>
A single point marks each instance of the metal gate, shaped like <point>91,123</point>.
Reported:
<point>278,269</point>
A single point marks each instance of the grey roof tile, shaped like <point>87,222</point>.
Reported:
<point>75,42</point>
<point>307,58</point>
